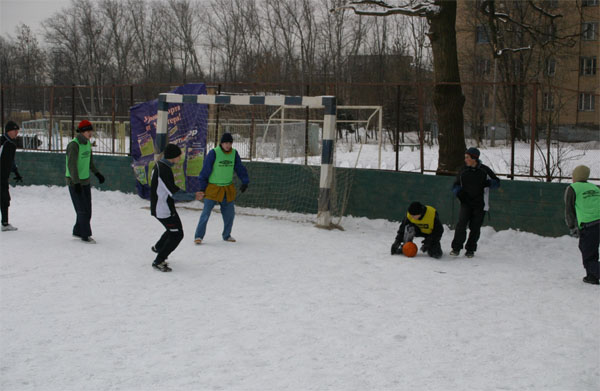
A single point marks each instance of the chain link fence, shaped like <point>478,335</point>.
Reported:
<point>525,131</point>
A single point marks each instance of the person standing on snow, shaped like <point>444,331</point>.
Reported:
<point>582,215</point>
<point>8,148</point>
<point>163,193</point>
<point>216,186</point>
<point>421,220</point>
<point>79,163</point>
<point>472,189</point>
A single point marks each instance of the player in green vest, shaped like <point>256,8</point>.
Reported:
<point>420,220</point>
<point>216,186</point>
<point>78,165</point>
<point>582,215</point>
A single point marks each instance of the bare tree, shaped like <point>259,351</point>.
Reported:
<point>448,98</point>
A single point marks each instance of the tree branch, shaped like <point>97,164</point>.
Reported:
<point>424,8</point>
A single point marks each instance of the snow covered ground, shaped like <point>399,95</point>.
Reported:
<point>287,307</point>
<point>565,157</point>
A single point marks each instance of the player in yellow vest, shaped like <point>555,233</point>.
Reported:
<point>582,215</point>
<point>421,220</point>
<point>79,163</point>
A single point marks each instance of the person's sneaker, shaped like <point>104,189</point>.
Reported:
<point>455,253</point>
<point>162,267</point>
<point>197,241</point>
<point>470,254</point>
<point>153,248</point>
<point>591,280</point>
<point>8,227</point>
<point>230,239</point>
<point>88,240</point>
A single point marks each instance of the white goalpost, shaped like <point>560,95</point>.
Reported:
<point>326,103</point>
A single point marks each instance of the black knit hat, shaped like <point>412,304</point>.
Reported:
<point>473,152</point>
<point>226,138</point>
<point>171,151</point>
<point>416,208</point>
<point>11,125</point>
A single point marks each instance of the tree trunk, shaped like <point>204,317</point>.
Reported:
<point>448,99</point>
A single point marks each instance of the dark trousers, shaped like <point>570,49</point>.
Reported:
<point>589,240</point>
<point>82,202</point>
<point>4,202</point>
<point>170,239</point>
<point>433,249</point>
<point>473,218</point>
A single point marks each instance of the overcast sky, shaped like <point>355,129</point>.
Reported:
<point>30,12</point>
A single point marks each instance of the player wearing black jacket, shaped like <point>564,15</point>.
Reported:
<point>472,189</point>
<point>420,221</point>
<point>163,192</point>
<point>8,148</point>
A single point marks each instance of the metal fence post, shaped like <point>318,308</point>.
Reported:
<point>533,129</point>
<point>113,119</point>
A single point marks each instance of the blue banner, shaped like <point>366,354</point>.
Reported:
<point>187,127</point>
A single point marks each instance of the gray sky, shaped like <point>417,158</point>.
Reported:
<point>30,12</point>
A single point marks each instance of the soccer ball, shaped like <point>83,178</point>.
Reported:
<point>409,249</point>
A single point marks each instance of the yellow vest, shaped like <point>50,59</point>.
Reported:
<point>426,222</point>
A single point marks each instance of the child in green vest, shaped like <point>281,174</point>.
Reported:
<point>216,186</point>
<point>582,215</point>
<point>79,163</point>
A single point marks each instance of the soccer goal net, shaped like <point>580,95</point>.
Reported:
<point>298,131</point>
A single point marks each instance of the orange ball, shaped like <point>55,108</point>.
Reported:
<point>409,249</point>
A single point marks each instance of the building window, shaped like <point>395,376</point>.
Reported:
<point>482,34</point>
<point>550,33</point>
<point>548,101</point>
<point>589,3</point>
<point>486,100</point>
<point>586,101</point>
<point>588,31</point>
<point>587,66</point>
<point>550,66</point>
<point>483,66</point>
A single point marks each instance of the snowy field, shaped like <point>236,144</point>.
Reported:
<point>287,307</point>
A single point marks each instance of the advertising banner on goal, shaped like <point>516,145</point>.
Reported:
<point>187,127</point>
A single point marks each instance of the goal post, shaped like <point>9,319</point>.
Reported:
<point>327,103</point>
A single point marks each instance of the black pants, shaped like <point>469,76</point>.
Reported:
<point>473,218</point>
<point>4,202</point>
<point>433,249</point>
<point>589,240</point>
<point>170,239</point>
<point>82,202</point>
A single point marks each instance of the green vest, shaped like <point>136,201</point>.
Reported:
<point>587,202</point>
<point>426,222</point>
<point>222,172</point>
<point>83,160</point>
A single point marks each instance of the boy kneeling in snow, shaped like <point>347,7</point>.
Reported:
<point>421,220</point>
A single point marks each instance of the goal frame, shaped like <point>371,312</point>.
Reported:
<point>327,103</point>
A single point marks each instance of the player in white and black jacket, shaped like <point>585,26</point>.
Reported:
<point>472,189</point>
<point>163,193</point>
<point>8,148</point>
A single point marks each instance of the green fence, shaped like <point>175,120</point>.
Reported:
<point>535,207</point>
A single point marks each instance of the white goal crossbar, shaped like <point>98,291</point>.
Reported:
<point>328,103</point>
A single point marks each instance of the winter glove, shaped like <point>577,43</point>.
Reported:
<point>18,177</point>
<point>100,177</point>
<point>77,188</point>
<point>397,245</point>
<point>243,187</point>
<point>456,189</point>
<point>574,232</point>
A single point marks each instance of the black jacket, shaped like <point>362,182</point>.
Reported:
<point>434,236</point>
<point>8,148</point>
<point>471,185</point>
<point>162,188</point>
